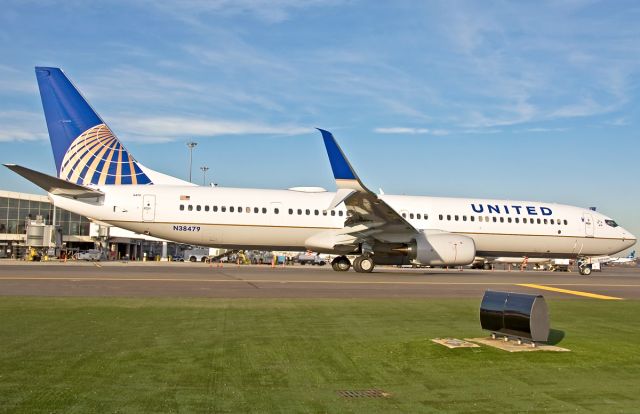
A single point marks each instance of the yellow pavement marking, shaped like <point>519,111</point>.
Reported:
<point>570,292</point>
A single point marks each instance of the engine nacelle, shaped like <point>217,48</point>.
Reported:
<point>443,249</point>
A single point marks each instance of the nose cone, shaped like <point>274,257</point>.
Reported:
<point>628,239</point>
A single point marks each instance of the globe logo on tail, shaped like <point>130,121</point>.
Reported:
<point>98,157</point>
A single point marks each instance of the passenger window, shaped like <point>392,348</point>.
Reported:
<point>215,209</point>
<point>464,218</point>
<point>449,217</point>
<point>190,207</point>
<point>426,217</point>
<point>206,208</point>
<point>316,212</point>
<point>480,219</point>
<point>501,219</point>
<point>198,208</point>
<point>239,209</point>
<point>290,211</point>
<point>545,221</point>
<point>231,209</point>
<point>495,219</point>
<point>508,219</point>
<point>340,213</point>
<point>565,222</point>
<point>223,209</point>
<point>256,210</point>
<point>324,212</point>
<point>333,212</point>
<point>299,211</point>
<point>307,212</point>
<point>456,217</point>
<point>472,218</point>
<point>418,216</point>
<point>404,215</point>
<point>181,207</point>
<point>539,221</point>
<point>276,210</point>
<point>411,216</point>
<point>440,216</point>
<point>264,210</point>
<point>552,221</point>
<point>486,218</point>
<point>517,220</point>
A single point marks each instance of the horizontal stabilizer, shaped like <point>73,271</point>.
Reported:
<point>54,185</point>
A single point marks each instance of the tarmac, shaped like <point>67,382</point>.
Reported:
<point>175,279</point>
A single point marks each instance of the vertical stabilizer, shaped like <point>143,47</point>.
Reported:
<point>84,148</point>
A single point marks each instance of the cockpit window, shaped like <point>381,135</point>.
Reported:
<point>611,223</point>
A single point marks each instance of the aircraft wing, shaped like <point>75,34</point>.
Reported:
<point>369,215</point>
<point>55,185</point>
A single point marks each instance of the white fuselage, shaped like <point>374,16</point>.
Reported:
<point>285,219</point>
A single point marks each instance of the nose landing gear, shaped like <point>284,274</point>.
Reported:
<point>584,269</point>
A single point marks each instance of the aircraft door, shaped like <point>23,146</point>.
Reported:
<point>148,207</point>
<point>588,224</point>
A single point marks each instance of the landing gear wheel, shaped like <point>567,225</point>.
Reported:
<point>585,270</point>
<point>363,264</point>
<point>486,266</point>
<point>340,264</point>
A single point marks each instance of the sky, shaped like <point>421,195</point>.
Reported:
<point>497,99</point>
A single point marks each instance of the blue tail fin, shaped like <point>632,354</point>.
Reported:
<point>84,148</point>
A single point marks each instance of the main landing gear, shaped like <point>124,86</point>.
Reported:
<point>341,264</point>
<point>362,264</point>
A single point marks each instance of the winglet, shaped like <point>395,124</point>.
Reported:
<point>343,172</point>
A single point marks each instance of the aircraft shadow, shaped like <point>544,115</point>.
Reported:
<point>555,336</point>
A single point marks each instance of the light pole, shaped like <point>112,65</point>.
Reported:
<point>191,145</point>
<point>204,174</point>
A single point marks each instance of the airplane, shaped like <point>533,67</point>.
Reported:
<point>622,260</point>
<point>616,260</point>
<point>98,178</point>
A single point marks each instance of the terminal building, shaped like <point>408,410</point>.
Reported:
<point>30,221</point>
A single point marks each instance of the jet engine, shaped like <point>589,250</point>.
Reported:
<point>442,249</point>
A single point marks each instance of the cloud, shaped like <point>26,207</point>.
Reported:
<point>584,108</point>
<point>269,11</point>
<point>163,129</point>
<point>411,131</point>
<point>542,129</point>
<point>619,122</point>
<point>22,126</point>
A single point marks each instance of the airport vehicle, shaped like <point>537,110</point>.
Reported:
<point>197,254</point>
<point>91,254</point>
<point>98,178</point>
<point>310,258</point>
<point>538,263</point>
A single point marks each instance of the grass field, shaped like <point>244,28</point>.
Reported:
<point>69,355</point>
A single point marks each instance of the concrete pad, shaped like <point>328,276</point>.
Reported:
<point>513,346</point>
<point>453,343</point>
